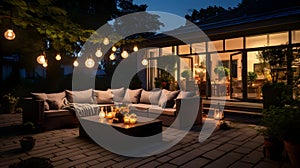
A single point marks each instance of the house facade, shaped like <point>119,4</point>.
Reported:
<point>237,44</point>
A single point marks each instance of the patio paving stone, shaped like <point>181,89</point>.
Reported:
<point>238,147</point>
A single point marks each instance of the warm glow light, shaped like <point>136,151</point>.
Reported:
<point>114,49</point>
<point>105,41</point>
<point>41,59</point>
<point>9,34</point>
<point>112,56</point>
<point>144,62</point>
<point>98,53</point>
<point>89,63</point>
<point>75,63</point>
<point>45,64</point>
<point>124,54</point>
<point>135,48</point>
<point>58,57</point>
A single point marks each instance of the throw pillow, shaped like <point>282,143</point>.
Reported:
<point>184,94</point>
<point>150,97</point>
<point>118,94</point>
<point>53,104</point>
<point>41,96</point>
<point>58,98</point>
<point>132,96</point>
<point>84,96</point>
<point>167,98</point>
<point>103,97</point>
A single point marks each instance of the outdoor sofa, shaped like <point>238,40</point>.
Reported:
<point>53,110</point>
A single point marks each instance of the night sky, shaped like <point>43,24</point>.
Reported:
<point>183,7</point>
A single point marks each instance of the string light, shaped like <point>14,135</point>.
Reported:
<point>58,57</point>
<point>98,52</point>
<point>112,56</point>
<point>9,34</point>
<point>105,41</point>
<point>135,48</point>
<point>114,49</point>
<point>89,63</point>
<point>144,62</point>
<point>124,54</point>
<point>75,63</point>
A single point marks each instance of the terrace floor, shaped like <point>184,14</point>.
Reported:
<point>239,147</point>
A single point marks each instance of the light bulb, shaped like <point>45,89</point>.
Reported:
<point>112,56</point>
<point>105,41</point>
<point>45,64</point>
<point>41,59</point>
<point>144,62</point>
<point>124,54</point>
<point>9,34</point>
<point>114,49</point>
<point>58,57</point>
<point>135,48</point>
<point>98,53</point>
<point>89,63</point>
<point>75,63</point>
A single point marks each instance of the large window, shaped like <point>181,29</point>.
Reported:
<point>296,36</point>
<point>256,41</point>
<point>215,46</point>
<point>235,43</point>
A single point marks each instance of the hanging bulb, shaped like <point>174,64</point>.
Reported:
<point>9,34</point>
<point>75,63</point>
<point>98,53</point>
<point>114,49</point>
<point>124,54</point>
<point>58,57</point>
<point>144,62</point>
<point>45,64</point>
<point>135,48</point>
<point>41,59</point>
<point>105,41</point>
<point>112,56</point>
<point>89,63</point>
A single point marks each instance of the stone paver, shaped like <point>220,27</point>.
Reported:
<point>238,147</point>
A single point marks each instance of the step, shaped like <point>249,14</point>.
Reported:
<point>206,109</point>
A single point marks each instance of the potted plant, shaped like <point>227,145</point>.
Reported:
<point>252,76</point>
<point>27,142</point>
<point>9,102</point>
<point>221,71</point>
<point>283,123</point>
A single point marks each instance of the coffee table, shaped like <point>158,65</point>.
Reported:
<point>142,128</point>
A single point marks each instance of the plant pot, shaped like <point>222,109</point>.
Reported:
<point>27,143</point>
<point>273,148</point>
<point>293,151</point>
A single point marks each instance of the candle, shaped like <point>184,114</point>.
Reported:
<point>126,120</point>
<point>132,120</point>
<point>109,115</point>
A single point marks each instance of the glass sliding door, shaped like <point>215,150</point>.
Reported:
<point>236,85</point>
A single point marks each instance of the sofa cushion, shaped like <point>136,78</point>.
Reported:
<point>132,96</point>
<point>56,100</point>
<point>118,94</point>
<point>103,96</point>
<point>163,111</point>
<point>167,98</point>
<point>41,96</point>
<point>57,113</point>
<point>150,97</point>
<point>84,96</point>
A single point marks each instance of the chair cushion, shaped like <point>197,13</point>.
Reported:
<point>132,96</point>
<point>103,96</point>
<point>167,98</point>
<point>118,94</point>
<point>41,96</point>
<point>150,97</point>
<point>84,96</point>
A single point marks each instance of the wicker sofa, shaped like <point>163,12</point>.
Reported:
<point>51,110</point>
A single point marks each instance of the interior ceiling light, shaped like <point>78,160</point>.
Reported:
<point>98,52</point>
